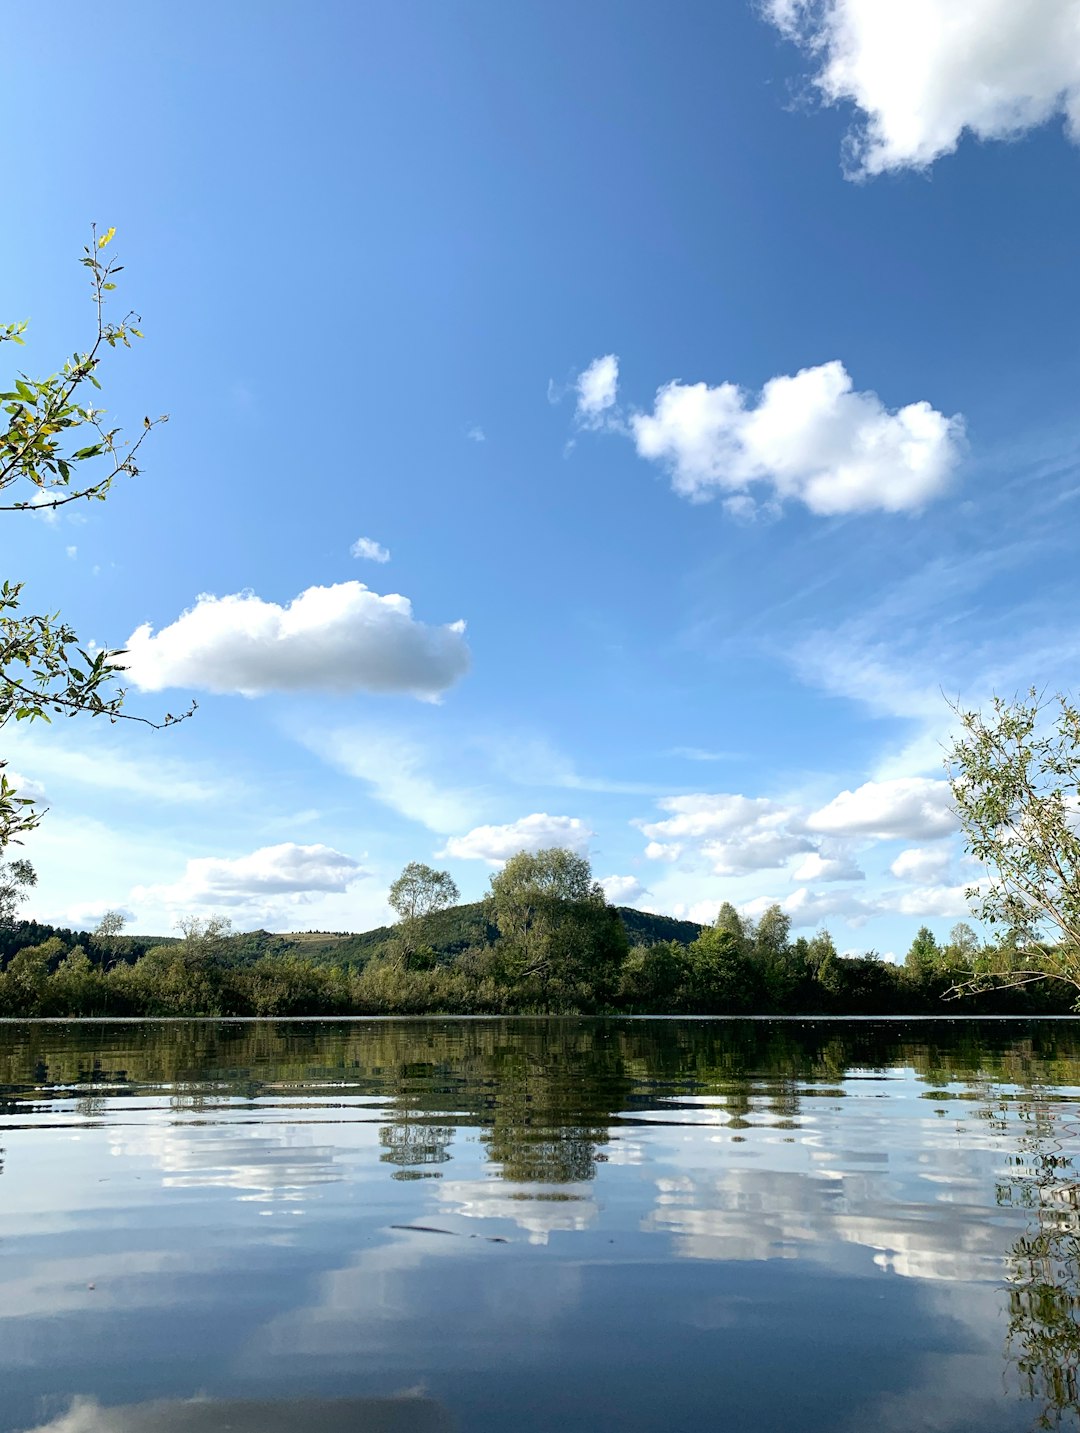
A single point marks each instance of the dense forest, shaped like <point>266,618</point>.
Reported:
<point>544,941</point>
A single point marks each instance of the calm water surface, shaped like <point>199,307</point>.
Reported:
<point>539,1225</point>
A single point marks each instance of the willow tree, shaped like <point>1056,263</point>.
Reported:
<point>58,448</point>
<point>1015,776</point>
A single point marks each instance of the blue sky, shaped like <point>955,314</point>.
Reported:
<point>390,260</point>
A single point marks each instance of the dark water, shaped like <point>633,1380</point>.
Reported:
<point>539,1225</point>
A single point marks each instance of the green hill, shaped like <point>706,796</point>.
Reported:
<point>446,933</point>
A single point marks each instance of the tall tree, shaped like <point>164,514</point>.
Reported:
<point>559,931</point>
<point>924,957</point>
<point>419,891</point>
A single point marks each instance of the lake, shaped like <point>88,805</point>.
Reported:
<point>557,1224</point>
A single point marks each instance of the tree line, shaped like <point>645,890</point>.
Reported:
<point>558,947</point>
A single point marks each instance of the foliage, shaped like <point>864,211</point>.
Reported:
<point>545,941</point>
<point>417,893</point>
<point>558,932</point>
<point>924,956</point>
<point>420,891</point>
<point>1015,776</point>
<point>16,878</point>
<point>56,448</point>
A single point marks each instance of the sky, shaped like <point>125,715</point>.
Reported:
<point>621,426</point>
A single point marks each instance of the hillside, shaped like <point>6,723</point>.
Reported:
<point>447,932</point>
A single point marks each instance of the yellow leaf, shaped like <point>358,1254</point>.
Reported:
<point>106,237</point>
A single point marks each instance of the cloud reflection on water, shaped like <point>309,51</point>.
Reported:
<point>407,1414</point>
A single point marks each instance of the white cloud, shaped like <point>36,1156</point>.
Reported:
<point>87,916</point>
<point>341,638</point>
<point>736,834</point>
<point>623,890</point>
<point>72,551</point>
<point>273,871</point>
<point>755,851</point>
<point>395,769</point>
<point>810,437</point>
<point>496,844</point>
<point>40,497</point>
<point>922,865</point>
<point>700,912</point>
<point>817,867</point>
<point>597,388</point>
<point>93,766</point>
<point>24,786</point>
<point>811,908</point>
<point>477,434</point>
<point>911,808</point>
<point>698,753</point>
<point>922,902</point>
<point>922,72</point>
<point>369,548</point>
<point>738,837</point>
<point>702,815</point>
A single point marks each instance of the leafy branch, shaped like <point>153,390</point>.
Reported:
<point>1015,778</point>
<point>44,670</point>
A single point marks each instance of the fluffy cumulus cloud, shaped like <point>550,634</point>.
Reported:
<point>622,890</point>
<point>922,72</point>
<point>597,389</point>
<point>368,548</point>
<point>819,851</point>
<point>735,834</point>
<point>711,814</point>
<point>810,908</point>
<point>341,638</point>
<point>817,867</point>
<point>496,844</point>
<point>922,864</point>
<point>907,808</point>
<point>286,870</point>
<point>810,438</point>
<point>922,902</point>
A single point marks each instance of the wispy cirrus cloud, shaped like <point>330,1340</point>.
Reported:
<point>397,772</point>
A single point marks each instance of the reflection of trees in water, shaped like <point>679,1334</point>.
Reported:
<point>545,1095</point>
<point>413,1142</point>
<point>550,1103</point>
<point>1043,1339</point>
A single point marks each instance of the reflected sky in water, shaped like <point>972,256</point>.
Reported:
<point>538,1225</point>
